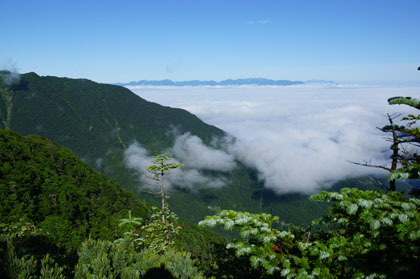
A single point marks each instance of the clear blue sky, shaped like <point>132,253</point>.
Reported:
<point>375,41</point>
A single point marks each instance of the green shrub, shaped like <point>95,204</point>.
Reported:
<point>367,234</point>
<point>119,259</point>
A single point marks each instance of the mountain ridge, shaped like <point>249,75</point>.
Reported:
<point>227,82</point>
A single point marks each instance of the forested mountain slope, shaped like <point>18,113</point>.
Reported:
<point>47,185</point>
<point>51,202</point>
<point>96,121</point>
<point>89,118</point>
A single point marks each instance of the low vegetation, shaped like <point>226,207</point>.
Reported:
<point>367,234</point>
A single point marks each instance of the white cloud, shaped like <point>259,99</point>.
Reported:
<point>299,138</point>
<point>191,151</point>
<point>193,178</point>
<point>137,158</point>
<point>13,76</point>
<point>186,148</point>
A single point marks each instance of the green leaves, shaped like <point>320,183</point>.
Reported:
<point>130,221</point>
<point>159,164</point>
<point>410,135</point>
<point>159,168</point>
<point>49,186</point>
<point>259,235</point>
<point>415,103</point>
<point>25,267</point>
<point>364,233</point>
<point>152,234</point>
<point>120,259</point>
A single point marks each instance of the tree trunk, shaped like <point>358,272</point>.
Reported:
<point>395,149</point>
<point>162,195</point>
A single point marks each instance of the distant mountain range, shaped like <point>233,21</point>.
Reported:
<point>227,82</point>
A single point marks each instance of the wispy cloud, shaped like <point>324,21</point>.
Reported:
<point>258,21</point>
<point>194,154</point>
<point>195,157</point>
<point>13,76</point>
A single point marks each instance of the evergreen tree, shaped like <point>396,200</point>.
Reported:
<point>405,144</point>
<point>159,169</point>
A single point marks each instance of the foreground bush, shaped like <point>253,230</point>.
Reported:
<point>25,253</point>
<point>106,259</point>
<point>367,234</point>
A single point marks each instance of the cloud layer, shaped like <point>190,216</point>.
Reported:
<point>299,138</point>
<point>191,151</point>
<point>186,150</point>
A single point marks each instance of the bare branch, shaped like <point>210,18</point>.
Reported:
<point>366,164</point>
<point>394,115</point>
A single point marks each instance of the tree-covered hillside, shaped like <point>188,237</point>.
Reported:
<point>90,118</point>
<point>46,184</point>
<point>52,202</point>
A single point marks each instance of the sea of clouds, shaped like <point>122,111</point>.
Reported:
<point>300,139</point>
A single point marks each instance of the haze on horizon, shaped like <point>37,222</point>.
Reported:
<point>364,42</point>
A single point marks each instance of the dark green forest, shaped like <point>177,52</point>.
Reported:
<point>48,185</point>
<point>52,202</point>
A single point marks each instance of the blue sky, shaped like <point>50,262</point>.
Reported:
<point>119,41</point>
